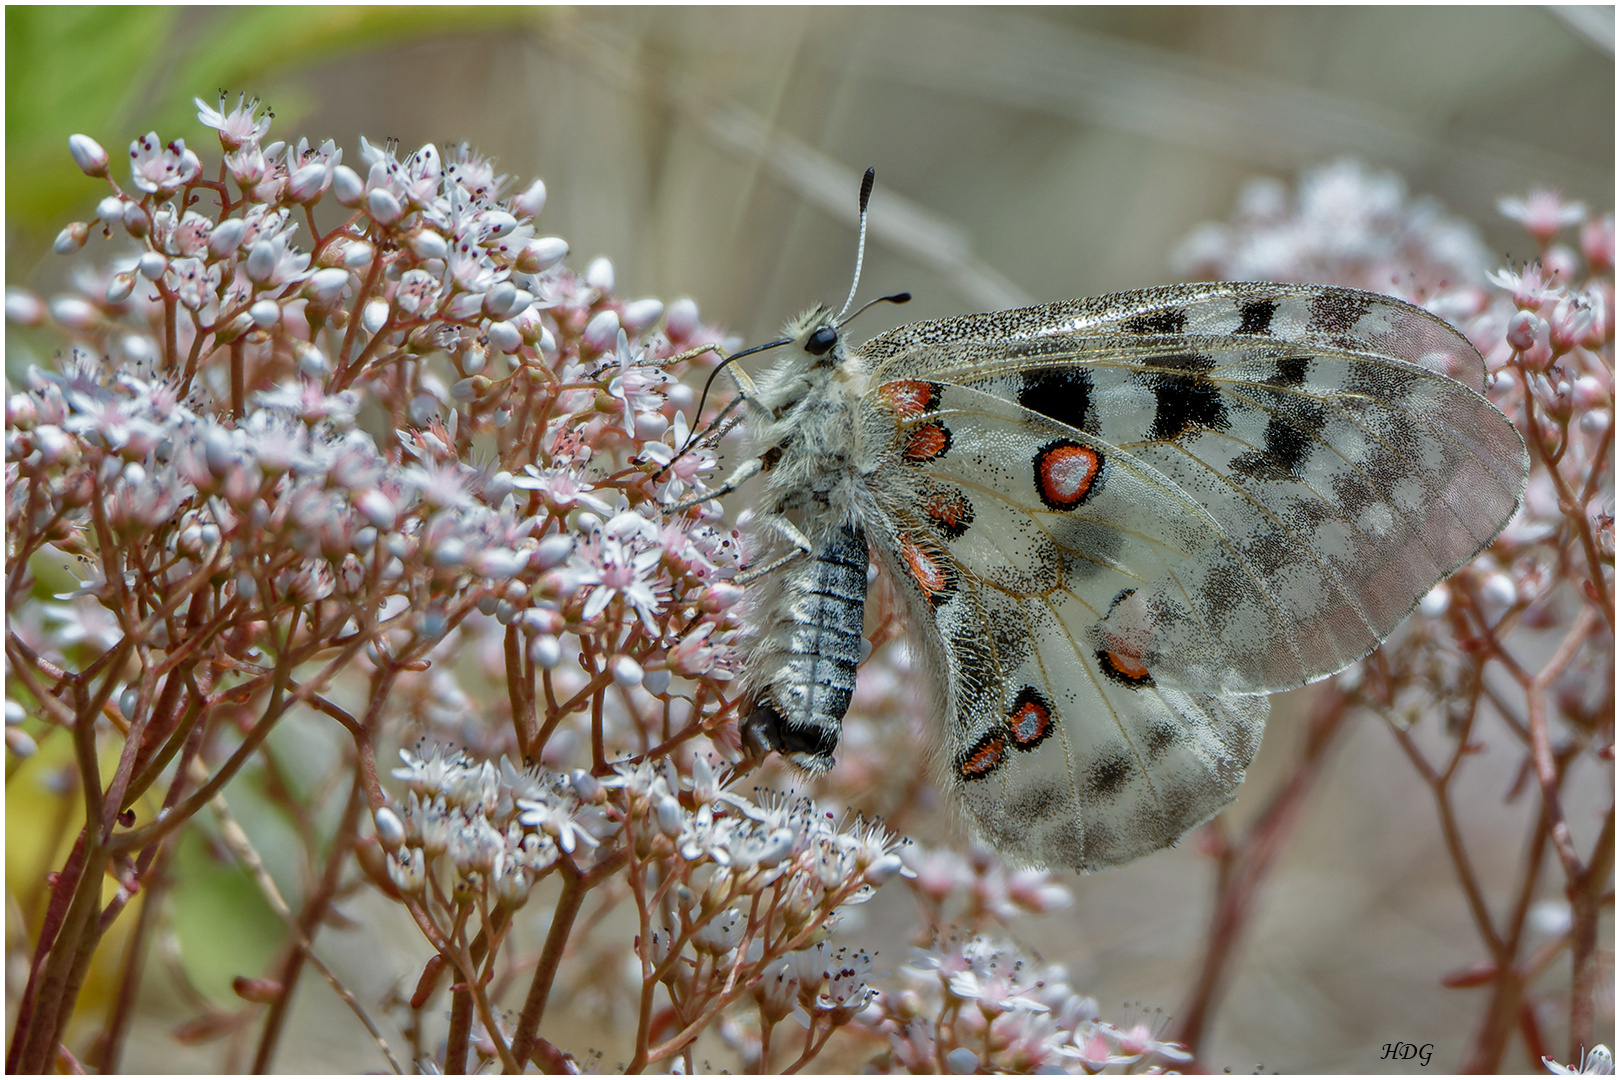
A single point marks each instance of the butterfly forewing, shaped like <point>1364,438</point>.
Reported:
<point>1343,485</point>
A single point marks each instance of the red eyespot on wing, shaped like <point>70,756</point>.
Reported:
<point>986,757</point>
<point>1030,720</point>
<point>910,397</point>
<point>950,509</point>
<point>927,570</point>
<point>1124,667</point>
<point>1066,473</point>
<point>925,443</point>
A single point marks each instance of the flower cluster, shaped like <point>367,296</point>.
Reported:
<point>1517,648</point>
<point>971,1004</point>
<point>471,828</point>
<point>1341,224</point>
<point>302,460</point>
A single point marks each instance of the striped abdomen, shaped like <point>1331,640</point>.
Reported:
<point>799,709</point>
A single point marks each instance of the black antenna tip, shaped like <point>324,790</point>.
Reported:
<point>866,187</point>
<point>899,298</point>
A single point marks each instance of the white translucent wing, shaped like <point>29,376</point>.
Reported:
<point>1014,540</point>
<point>1306,316</point>
<point>1057,761</point>
<point>1303,498</point>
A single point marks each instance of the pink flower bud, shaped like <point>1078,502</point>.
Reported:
<point>599,275</point>
<point>498,300</point>
<point>137,222</point>
<point>626,672</point>
<point>552,551</point>
<point>261,262</point>
<point>71,238</point>
<point>119,288</point>
<point>722,596</point>
<point>347,186</point>
<point>545,650</point>
<point>383,207</point>
<point>682,322</point>
<point>602,331</point>
<point>498,564</point>
<point>640,314</point>
<point>377,508</point>
<point>325,287</point>
<point>307,184</point>
<point>24,308</point>
<point>227,236</point>
<point>265,314</point>
<point>532,200</point>
<point>542,620</point>
<point>504,337</point>
<point>74,313</point>
<point>1523,329</point>
<point>427,244</point>
<point>374,316</point>
<point>542,254</point>
<point>88,155</point>
<point>313,362</point>
<point>1560,263</point>
<point>390,829</point>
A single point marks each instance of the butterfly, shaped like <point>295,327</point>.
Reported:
<point>1116,524</point>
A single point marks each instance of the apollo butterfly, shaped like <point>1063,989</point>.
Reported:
<point>1116,525</point>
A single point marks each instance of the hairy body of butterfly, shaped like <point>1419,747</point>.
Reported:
<point>1116,525</point>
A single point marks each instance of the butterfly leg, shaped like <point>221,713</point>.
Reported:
<point>801,547</point>
<point>745,472</point>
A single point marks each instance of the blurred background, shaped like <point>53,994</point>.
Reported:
<point>1023,155</point>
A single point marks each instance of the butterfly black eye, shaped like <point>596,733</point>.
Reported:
<point>822,341</point>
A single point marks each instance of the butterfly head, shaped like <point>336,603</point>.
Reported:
<point>816,336</point>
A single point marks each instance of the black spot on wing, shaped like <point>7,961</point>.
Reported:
<point>1110,773</point>
<point>1169,321</point>
<point>1063,394</point>
<point>1089,547</point>
<point>1293,418</point>
<point>1336,313</point>
<point>1352,493</point>
<point>1161,736</point>
<point>1382,381</point>
<point>1270,552</point>
<point>1291,371</point>
<point>1037,802</point>
<point>1184,398</point>
<point>1256,316</point>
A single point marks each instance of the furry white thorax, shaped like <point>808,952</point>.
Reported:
<point>802,423</point>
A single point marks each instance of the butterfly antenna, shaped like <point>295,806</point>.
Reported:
<point>897,298</point>
<point>860,246</point>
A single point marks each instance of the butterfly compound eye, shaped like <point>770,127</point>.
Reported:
<point>822,341</point>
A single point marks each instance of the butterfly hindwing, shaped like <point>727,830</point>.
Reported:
<point>1061,756</point>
